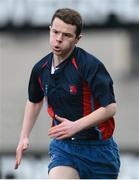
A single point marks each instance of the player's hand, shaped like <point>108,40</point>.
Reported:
<point>22,146</point>
<point>64,130</point>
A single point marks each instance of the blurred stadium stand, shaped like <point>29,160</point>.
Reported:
<point>111,32</point>
<point>38,13</point>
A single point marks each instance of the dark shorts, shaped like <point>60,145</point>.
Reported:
<point>92,159</point>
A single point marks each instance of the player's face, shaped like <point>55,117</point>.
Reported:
<point>62,38</point>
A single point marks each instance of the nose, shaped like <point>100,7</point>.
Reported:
<point>59,37</point>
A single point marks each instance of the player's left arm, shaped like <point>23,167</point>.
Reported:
<point>98,116</point>
<point>68,128</point>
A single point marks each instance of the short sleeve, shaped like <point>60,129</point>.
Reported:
<point>35,92</point>
<point>101,84</point>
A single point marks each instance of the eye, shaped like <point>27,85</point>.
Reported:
<point>54,31</point>
<point>68,35</point>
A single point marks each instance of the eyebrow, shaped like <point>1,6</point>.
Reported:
<point>67,33</point>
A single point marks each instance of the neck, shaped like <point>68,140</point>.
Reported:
<point>59,59</point>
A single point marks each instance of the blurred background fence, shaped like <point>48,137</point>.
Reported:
<point>111,32</point>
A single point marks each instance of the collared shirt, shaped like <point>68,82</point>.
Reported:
<point>53,68</point>
<point>77,87</point>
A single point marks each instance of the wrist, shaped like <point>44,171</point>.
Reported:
<point>23,136</point>
<point>84,123</point>
<point>79,124</point>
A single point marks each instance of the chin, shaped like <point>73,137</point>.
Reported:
<point>57,53</point>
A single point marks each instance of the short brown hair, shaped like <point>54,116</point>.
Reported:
<point>69,16</point>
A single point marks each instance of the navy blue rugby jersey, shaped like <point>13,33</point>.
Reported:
<point>79,86</point>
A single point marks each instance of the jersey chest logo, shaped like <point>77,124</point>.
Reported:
<point>73,89</point>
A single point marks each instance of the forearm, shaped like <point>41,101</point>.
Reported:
<point>68,128</point>
<point>31,113</point>
<point>98,116</point>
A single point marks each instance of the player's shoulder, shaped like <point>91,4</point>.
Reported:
<point>42,63</point>
<point>85,58</point>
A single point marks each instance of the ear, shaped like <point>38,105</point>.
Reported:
<point>50,27</point>
<point>78,38</point>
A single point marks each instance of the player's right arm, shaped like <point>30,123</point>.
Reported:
<point>31,113</point>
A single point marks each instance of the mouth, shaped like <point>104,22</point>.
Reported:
<point>57,48</point>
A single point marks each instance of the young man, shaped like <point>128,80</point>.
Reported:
<point>79,93</point>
